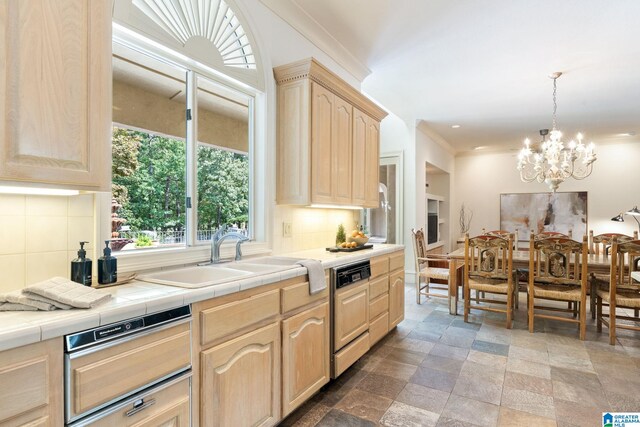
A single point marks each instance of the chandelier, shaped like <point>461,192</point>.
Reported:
<point>553,160</point>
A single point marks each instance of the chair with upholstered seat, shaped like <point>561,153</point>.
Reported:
<point>622,291</point>
<point>429,268</point>
<point>558,272</point>
<point>488,268</point>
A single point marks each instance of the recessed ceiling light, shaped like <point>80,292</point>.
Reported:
<point>455,126</point>
<point>479,147</point>
<point>632,133</point>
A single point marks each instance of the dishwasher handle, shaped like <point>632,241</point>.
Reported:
<point>140,405</point>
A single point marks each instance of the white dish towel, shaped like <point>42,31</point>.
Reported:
<point>61,290</point>
<point>316,275</point>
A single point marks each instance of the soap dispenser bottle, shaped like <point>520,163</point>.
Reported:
<point>107,266</point>
<point>81,267</point>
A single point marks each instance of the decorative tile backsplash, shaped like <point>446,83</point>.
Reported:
<point>39,236</point>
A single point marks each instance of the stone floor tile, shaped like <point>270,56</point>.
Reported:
<point>478,388</point>
<point>393,369</point>
<point>406,356</point>
<point>574,393</point>
<point>336,418</point>
<point>471,411</point>
<point>384,349</point>
<point>307,415</point>
<point>367,362</point>
<point>569,362</point>
<point>487,359</point>
<point>586,380</point>
<point>512,418</point>
<point>622,401</point>
<point>526,401</point>
<point>445,364</point>
<point>381,385</point>
<point>494,374</point>
<point>456,340</point>
<point>403,415</point>
<point>571,351</point>
<point>523,353</point>
<point>490,336</point>
<point>572,414</point>
<point>364,405</point>
<point>445,350</point>
<point>450,422</point>
<point>423,397</point>
<point>490,347</point>
<point>433,378</point>
<point>351,377</point>
<point>417,334</point>
<point>529,383</point>
<point>414,345</point>
<point>460,323</point>
<point>529,368</point>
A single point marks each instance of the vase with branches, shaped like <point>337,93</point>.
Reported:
<point>466,215</point>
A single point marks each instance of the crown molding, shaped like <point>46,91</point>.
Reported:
<point>300,20</point>
<point>311,69</point>
<point>435,137</point>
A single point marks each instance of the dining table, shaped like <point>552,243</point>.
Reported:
<point>596,264</point>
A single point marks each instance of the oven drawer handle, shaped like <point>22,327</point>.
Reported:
<point>139,406</point>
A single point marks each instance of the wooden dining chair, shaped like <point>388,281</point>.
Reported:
<point>622,291</point>
<point>488,267</point>
<point>600,245</point>
<point>558,272</point>
<point>428,268</point>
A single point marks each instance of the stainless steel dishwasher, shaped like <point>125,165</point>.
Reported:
<point>130,371</point>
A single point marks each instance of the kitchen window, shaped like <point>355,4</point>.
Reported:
<point>181,149</point>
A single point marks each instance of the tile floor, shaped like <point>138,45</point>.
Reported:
<point>436,370</point>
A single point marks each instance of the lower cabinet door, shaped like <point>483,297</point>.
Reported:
<point>351,313</point>
<point>305,356</point>
<point>396,298</point>
<point>240,380</point>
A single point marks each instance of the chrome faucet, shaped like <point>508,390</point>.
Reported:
<point>218,237</point>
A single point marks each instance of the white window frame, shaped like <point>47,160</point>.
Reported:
<point>193,251</point>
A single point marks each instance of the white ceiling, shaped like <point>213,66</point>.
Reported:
<point>483,64</point>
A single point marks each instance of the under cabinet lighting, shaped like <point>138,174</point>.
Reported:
<point>336,207</point>
<point>38,191</point>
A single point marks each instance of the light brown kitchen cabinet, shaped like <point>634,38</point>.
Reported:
<point>326,153</point>
<point>396,298</point>
<point>305,356</point>
<point>240,380</point>
<point>31,385</point>
<point>55,114</point>
<point>351,313</point>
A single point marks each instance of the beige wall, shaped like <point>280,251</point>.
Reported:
<point>612,187</point>
<point>159,114</point>
<point>39,236</point>
<point>311,227</point>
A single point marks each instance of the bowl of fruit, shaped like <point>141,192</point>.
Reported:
<point>357,237</point>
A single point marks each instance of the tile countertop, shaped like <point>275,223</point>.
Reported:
<point>137,298</point>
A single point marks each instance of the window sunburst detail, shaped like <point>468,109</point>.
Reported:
<point>211,19</point>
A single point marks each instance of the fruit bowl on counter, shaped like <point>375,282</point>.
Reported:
<point>360,240</point>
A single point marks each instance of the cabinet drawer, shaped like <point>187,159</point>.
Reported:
<point>348,355</point>
<point>168,405</point>
<point>218,322</point>
<point>396,261</point>
<point>378,287</point>
<point>378,328</point>
<point>379,266</point>
<point>101,376</point>
<point>378,306</point>
<point>297,295</point>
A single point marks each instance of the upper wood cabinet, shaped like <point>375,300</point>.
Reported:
<point>55,114</point>
<point>328,139</point>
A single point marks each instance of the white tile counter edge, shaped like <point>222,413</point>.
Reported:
<point>139,298</point>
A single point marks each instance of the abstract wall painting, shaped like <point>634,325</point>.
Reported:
<point>537,212</point>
